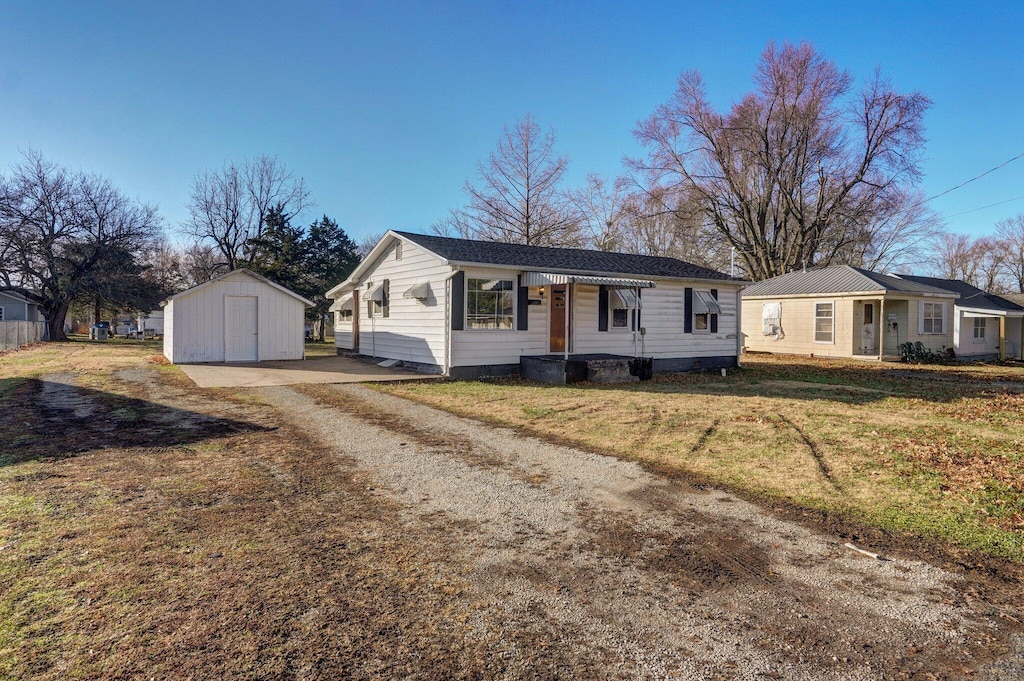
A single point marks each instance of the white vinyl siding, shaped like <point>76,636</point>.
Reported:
<point>824,323</point>
<point>414,330</point>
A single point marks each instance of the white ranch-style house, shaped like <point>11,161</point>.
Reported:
<point>471,308</point>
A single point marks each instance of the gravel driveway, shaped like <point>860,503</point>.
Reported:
<point>644,577</point>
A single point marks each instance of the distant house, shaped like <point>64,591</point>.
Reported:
<point>471,308</point>
<point>16,308</point>
<point>985,326</point>
<point>843,311</point>
<point>237,317</point>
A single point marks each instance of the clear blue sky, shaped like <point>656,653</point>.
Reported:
<point>386,107</point>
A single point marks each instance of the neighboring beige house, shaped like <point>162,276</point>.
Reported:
<point>843,311</point>
<point>985,326</point>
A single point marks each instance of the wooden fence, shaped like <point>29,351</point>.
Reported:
<point>15,334</point>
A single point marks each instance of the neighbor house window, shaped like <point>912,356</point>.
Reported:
<point>1,313</point>
<point>489,303</point>
<point>823,323</point>
<point>979,328</point>
<point>931,317</point>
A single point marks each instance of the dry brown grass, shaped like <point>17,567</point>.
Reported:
<point>179,533</point>
<point>934,450</point>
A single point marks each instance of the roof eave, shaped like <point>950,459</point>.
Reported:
<point>587,273</point>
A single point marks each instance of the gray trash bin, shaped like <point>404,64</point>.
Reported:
<point>99,333</point>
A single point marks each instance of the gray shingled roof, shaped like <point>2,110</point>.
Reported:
<point>836,279</point>
<point>560,259</point>
<point>970,296</point>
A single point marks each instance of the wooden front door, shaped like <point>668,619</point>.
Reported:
<point>559,315</point>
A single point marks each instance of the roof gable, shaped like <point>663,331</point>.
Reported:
<point>235,273</point>
<point>466,251</point>
<point>838,280</point>
<point>970,296</point>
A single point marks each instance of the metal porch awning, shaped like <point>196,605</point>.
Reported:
<point>375,292</point>
<point>550,279</point>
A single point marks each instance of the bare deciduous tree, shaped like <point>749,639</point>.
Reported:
<point>1010,233</point>
<point>793,173</point>
<point>898,240</point>
<point>604,209</point>
<point>228,208</point>
<point>66,234</point>
<point>518,198</point>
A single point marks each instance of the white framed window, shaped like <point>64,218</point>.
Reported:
<point>979,328</point>
<point>824,322</point>
<point>489,303</point>
<point>345,316</point>
<point>622,302</point>
<point>704,305</point>
<point>377,299</point>
<point>932,317</point>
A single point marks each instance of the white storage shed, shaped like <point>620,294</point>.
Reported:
<point>237,317</point>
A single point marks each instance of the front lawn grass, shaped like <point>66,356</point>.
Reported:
<point>929,450</point>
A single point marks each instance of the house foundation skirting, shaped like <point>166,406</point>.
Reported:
<point>676,365</point>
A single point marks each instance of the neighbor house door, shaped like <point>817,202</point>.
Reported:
<point>241,334</point>
<point>559,315</point>
<point>867,330</point>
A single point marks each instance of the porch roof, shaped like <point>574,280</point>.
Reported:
<point>552,278</point>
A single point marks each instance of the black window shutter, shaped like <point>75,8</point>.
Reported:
<point>714,317</point>
<point>688,310</point>
<point>523,305</point>
<point>386,298</point>
<point>459,301</point>
<point>637,311</point>
<point>602,308</point>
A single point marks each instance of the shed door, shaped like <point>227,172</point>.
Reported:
<point>240,330</point>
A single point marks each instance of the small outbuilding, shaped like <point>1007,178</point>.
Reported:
<point>237,317</point>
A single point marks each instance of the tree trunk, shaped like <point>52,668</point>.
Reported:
<point>55,321</point>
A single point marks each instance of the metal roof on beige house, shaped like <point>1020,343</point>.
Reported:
<point>838,280</point>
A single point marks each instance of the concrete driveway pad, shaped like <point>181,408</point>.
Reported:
<point>292,372</point>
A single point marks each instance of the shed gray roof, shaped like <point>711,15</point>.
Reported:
<point>837,280</point>
<point>970,296</point>
<point>560,259</point>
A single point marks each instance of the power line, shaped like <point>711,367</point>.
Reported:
<point>977,177</point>
<point>997,203</point>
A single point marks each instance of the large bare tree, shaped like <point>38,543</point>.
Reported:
<point>603,208</point>
<point>796,170</point>
<point>65,234</point>
<point>518,197</point>
<point>228,208</point>
<point>1010,235</point>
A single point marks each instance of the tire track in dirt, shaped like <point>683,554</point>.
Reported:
<point>662,578</point>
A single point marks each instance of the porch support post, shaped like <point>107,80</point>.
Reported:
<point>568,335</point>
<point>882,330</point>
<point>1002,338</point>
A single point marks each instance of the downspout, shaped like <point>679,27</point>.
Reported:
<point>447,359</point>
<point>636,316</point>
<point>739,325</point>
